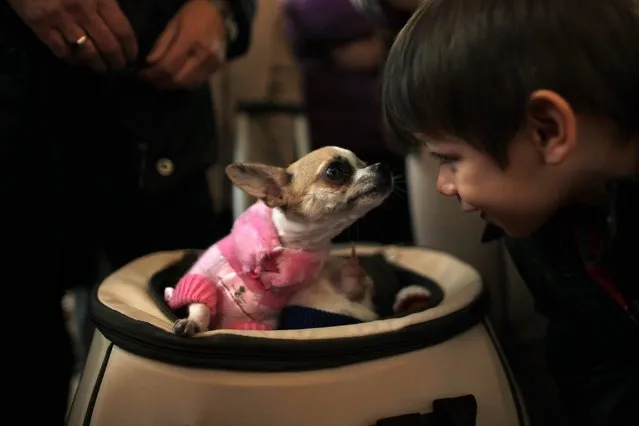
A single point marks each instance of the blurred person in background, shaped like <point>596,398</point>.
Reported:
<point>106,132</point>
<point>389,16</point>
<point>341,48</point>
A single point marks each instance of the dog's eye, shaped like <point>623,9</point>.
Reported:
<point>339,171</point>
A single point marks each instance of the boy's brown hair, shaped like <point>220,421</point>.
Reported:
<point>466,68</point>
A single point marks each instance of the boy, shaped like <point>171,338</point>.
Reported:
<point>531,107</point>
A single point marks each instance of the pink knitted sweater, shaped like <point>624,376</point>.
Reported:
<point>247,277</point>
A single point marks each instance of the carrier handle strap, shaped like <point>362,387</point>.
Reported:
<point>459,411</point>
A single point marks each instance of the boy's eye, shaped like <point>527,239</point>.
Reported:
<point>444,159</point>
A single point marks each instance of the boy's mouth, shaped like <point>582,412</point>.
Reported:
<point>489,220</point>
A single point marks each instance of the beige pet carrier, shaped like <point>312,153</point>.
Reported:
<point>439,367</point>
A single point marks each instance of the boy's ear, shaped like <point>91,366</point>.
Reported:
<point>553,124</point>
<point>266,183</point>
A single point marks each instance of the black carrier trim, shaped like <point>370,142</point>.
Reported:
<point>88,414</point>
<point>257,354</point>
<point>512,383</point>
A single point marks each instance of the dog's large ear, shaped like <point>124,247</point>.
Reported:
<point>267,183</point>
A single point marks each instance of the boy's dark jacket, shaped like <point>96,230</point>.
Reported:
<point>592,342</point>
<point>177,125</point>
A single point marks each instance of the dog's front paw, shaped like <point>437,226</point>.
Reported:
<point>185,327</point>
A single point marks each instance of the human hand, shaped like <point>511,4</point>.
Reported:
<point>190,49</point>
<point>92,32</point>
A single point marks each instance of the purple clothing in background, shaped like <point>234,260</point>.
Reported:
<point>326,20</point>
<point>343,107</point>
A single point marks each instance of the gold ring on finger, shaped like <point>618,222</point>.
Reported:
<point>82,40</point>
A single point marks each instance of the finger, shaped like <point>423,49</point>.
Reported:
<point>178,52</point>
<point>44,24</point>
<point>175,57</point>
<point>196,70</point>
<point>103,39</point>
<point>189,72</point>
<point>56,42</point>
<point>166,39</point>
<point>155,76</point>
<point>120,26</point>
<point>165,76</point>
<point>164,70</point>
<point>86,52</point>
<point>106,43</point>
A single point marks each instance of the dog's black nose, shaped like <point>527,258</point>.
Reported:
<point>383,174</point>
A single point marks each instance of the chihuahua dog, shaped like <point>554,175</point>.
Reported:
<point>280,243</point>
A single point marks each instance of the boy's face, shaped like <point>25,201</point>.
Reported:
<point>519,198</point>
<point>548,167</point>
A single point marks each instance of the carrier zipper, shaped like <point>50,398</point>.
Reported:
<point>226,351</point>
<point>244,353</point>
<point>223,355</point>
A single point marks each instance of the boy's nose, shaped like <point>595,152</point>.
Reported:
<point>446,186</point>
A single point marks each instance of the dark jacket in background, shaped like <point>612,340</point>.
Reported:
<point>81,187</point>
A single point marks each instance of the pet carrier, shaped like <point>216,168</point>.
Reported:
<point>439,367</point>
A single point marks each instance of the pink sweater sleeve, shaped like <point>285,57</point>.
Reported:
<point>198,285</point>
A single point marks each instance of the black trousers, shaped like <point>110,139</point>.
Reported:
<point>69,192</point>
